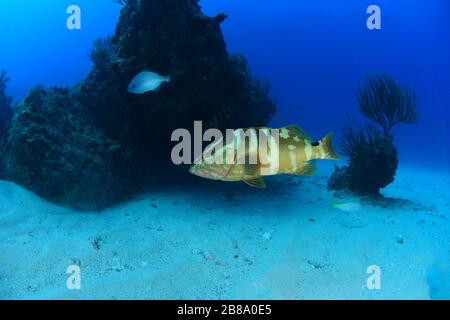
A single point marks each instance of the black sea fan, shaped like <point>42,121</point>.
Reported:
<point>384,101</point>
<point>101,52</point>
<point>354,138</point>
<point>3,80</point>
<point>6,115</point>
<point>5,101</point>
<point>121,2</point>
<point>372,156</point>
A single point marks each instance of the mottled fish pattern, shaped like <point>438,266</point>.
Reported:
<point>292,154</point>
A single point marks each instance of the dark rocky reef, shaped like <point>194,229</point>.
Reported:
<point>91,145</point>
<point>372,156</point>
<point>56,150</point>
<point>6,115</point>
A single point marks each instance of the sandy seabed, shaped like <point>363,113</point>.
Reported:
<point>229,242</point>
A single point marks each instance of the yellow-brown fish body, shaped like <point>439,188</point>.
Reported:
<point>289,151</point>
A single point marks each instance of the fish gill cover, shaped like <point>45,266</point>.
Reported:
<point>93,144</point>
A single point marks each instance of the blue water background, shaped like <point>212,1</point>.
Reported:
<point>314,53</point>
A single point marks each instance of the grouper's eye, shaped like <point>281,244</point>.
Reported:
<point>316,144</point>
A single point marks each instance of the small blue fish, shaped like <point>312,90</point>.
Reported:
<point>146,81</point>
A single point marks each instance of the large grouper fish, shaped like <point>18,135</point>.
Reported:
<point>292,153</point>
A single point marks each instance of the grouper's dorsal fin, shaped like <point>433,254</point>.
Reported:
<point>297,131</point>
<point>257,182</point>
<point>306,170</point>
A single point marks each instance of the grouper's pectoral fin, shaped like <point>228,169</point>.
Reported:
<point>306,170</point>
<point>256,182</point>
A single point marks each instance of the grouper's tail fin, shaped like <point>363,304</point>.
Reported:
<point>327,147</point>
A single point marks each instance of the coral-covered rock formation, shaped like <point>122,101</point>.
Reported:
<point>56,150</point>
<point>6,115</point>
<point>372,156</point>
<point>92,144</point>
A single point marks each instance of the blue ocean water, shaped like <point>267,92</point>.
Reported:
<point>314,53</point>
